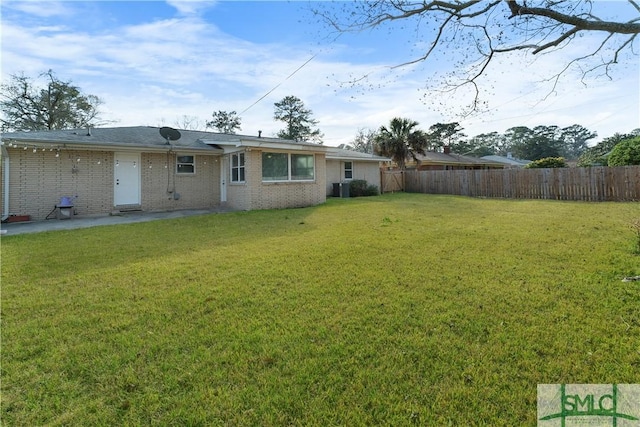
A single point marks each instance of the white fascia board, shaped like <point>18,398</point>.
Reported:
<point>110,146</point>
<point>358,159</point>
<point>269,145</point>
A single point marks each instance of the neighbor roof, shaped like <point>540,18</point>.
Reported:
<point>507,160</point>
<point>431,157</point>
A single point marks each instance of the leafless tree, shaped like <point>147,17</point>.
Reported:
<point>490,28</point>
<point>187,122</point>
<point>27,105</point>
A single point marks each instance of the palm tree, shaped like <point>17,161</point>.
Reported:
<point>401,141</point>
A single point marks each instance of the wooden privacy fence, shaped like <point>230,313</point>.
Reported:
<point>589,184</point>
<point>391,181</point>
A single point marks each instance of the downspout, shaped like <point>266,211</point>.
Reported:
<point>5,181</point>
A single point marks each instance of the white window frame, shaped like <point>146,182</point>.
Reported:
<point>289,179</point>
<point>183,163</point>
<point>350,170</point>
<point>239,168</point>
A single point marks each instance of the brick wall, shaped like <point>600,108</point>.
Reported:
<point>238,193</point>
<point>38,181</point>
<point>160,183</point>
<point>280,195</point>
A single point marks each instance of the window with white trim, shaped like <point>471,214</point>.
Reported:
<point>185,164</point>
<point>348,170</point>
<point>288,167</point>
<point>237,167</point>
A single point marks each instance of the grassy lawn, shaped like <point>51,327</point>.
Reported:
<point>402,309</point>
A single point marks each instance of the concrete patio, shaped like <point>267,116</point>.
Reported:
<point>15,228</point>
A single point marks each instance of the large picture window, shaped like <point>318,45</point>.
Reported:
<point>287,167</point>
<point>185,164</point>
<point>302,167</point>
<point>275,166</point>
<point>237,167</point>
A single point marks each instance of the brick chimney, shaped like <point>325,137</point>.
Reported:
<point>447,149</point>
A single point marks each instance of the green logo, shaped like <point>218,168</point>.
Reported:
<point>563,405</point>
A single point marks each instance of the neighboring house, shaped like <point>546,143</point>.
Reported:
<point>509,161</point>
<point>102,170</point>
<point>449,161</point>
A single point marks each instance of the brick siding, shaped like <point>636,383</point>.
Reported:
<point>38,180</point>
<point>280,195</point>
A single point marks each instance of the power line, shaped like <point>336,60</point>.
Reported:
<point>278,85</point>
<point>288,77</point>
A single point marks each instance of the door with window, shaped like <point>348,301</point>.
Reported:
<point>126,179</point>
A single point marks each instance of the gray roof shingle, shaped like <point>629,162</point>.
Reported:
<point>134,137</point>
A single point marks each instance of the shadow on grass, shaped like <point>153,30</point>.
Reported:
<point>58,254</point>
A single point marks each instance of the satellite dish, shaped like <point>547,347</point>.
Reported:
<point>169,134</point>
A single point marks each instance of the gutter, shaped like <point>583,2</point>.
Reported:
<point>5,181</point>
<point>98,146</point>
<point>270,145</point>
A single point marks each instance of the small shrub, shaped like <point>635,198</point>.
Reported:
<point>548,162</point>
<point>359,188</point>
<point>372,190</point>
<point>591,159</point>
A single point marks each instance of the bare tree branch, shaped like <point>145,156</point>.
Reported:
<point>498,27</point>
<point>579,23</point>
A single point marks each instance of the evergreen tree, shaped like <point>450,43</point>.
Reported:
<point>225,121</point>
<point>298,120</point>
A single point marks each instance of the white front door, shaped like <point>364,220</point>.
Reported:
<point>126,179</point>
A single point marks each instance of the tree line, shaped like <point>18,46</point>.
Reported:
<point>59,104</point>
<point>402,140</point>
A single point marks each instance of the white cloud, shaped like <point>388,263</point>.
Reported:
<point>173,67</point>
<point>46,9</point>
<point>191,7</point>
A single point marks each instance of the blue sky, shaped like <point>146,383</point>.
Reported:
<point>153,63</point>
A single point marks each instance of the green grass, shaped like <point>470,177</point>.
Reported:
<point>393,310</point>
